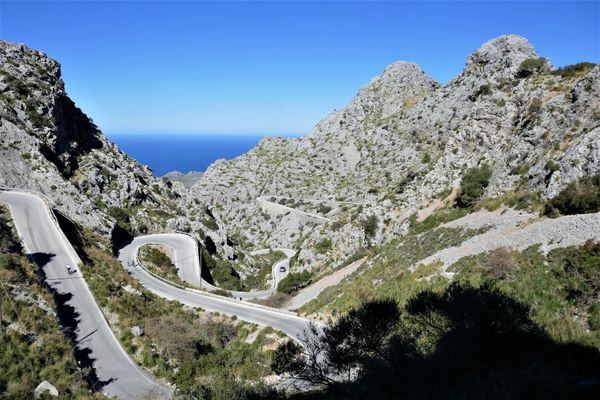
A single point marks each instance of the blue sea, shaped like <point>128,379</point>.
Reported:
<point>184,152</point>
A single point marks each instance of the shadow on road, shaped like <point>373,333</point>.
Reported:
<point>68,319</point>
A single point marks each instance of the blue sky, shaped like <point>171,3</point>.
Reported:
<point>268,67</point>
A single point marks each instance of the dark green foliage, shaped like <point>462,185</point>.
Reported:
<point>579,197</point>
<point>369,225</point>
<point>323,246</point>
<point>323,209</point>
<point>294,282</point>
<point>461,343</point>
<point>582,268</point>
<point>405,181</point>
<point>15,85</point>
<point>158,262</point>
<point>222,272</point>
<point>473,185</point>
<point>209,221</point>
<point>552,166</point>
<point>594,317</point>
<point>363,334</point>
<point>574,70</point>
<point>120,215</point>
<point>483,90</point>
<point>531,66</point>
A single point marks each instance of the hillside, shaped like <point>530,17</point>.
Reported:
<point>403,144</point>
<point>424,217</point>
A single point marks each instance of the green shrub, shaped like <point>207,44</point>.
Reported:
<point>483,90</point>
<point>370,226</point>
<point>222,272</point>
<point>294,282</point>
<point>531,66</point>
<point>473,186</point>
<point>434,220</point>
<point>425,158</point>
<point>574,70</point>
<point>594,317</point>
<point>121,216</point>
<point>323,246</point>
<point>579,197</point>
<point>580,265</point>
<point>552,165</point>
<point>323,209</point>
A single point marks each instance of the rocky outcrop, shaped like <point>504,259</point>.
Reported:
<point>45,388</point>
<point>403,140</point>
<point>49,145</point>
<point>187,179</point>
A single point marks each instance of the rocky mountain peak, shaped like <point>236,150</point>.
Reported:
<point>503,55</point>
<point>400,86</point>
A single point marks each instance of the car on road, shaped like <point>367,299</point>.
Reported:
<point>282,269</point>
<point>70,269</point>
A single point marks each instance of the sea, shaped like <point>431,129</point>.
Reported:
<point>185,152</point>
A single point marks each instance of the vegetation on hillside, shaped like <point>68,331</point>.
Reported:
<point>388,274</point>
<point>157,261</point>
<point>222,272</point>
<point>465,342</point>
<point>33,348</point>
<point>294,282</point>
<point>472,186</point>
<point>579,197</point>
<point>199,351</point>
<point>263,265</point>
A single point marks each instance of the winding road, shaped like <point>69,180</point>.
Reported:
<point>184,249</point>
<point>117,373</point>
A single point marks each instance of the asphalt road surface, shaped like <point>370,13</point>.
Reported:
<point>185,253</point>
<point>117,375</point>
<point>43,240</point>
<point>186,258</point>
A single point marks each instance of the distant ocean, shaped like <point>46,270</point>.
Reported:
<point>184,152</point>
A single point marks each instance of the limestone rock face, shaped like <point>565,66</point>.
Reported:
<point>400,142</point>
<point>43,388</point>
<point>49,145</point>
<point>502,55</point>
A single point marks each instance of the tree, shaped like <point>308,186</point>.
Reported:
<point>370,226</point>
<point>473,185</point>
<point>338,352</point>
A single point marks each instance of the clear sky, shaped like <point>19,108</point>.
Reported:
<point>268,67</point>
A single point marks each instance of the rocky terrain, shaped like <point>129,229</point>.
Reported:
<point>49,145</point>
<point>187,179</point>
<point>401,143</point>
<point>399,147</point>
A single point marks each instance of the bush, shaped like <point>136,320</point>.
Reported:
<point>483,90</point>
<point>531,66</point>
<point>370,226</point>
<point>500,264</point>
<point>574,70</point>
<point>579,197</point>
<point>594,317</point>
<point>120,215</point>
<point>294,282</point>
<point>473,186</point>
<point>222,272</point>
<point>580,265</point>
<point>552,165</point>
<point>323,246</point>
<point>323,209</point>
